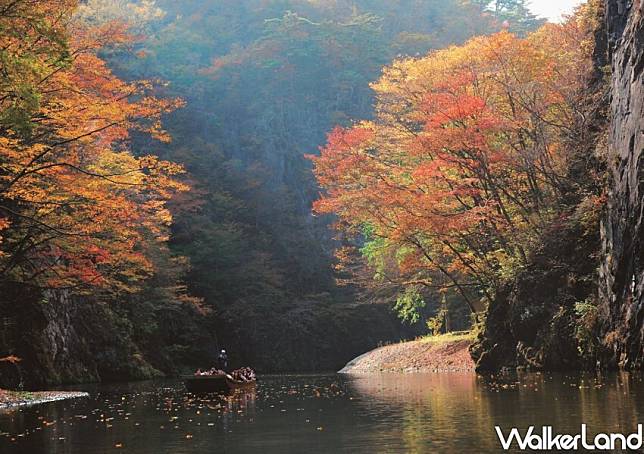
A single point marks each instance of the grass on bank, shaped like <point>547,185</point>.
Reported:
<point>449,337</point>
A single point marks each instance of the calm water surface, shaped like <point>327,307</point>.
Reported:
<point>325,413</point>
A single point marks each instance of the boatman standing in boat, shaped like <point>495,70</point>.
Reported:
<point>223,360</point>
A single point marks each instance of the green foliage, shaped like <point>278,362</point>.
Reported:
<point>438,323</point>
<point>409,305</point>
<point>372,252</point>
<point>586,319</point>
<point>514,14</point>
<point>32,48</point>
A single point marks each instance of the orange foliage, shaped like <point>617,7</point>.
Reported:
<point>463,166</point>
<point>80,205</point>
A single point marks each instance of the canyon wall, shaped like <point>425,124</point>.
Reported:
<point>622,268</point>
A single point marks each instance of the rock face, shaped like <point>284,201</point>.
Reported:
<point>61,338</point>
<point>532,321</point>
<point>622,270</point>
<point>41,333</point>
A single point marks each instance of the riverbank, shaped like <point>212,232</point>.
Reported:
<point>445,353</point>
<point>13,399</point>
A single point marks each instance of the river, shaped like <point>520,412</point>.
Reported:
<point>326,414</point>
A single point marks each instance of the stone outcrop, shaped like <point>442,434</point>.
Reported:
<point>60,338</point>
<point>532,321</point>
<point>622,270</point>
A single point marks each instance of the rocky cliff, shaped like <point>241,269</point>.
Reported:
<point>61,338</point>
<point>533,322</point>
<point>622,268</point>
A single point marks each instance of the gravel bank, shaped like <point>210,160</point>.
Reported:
<point>13,399</point>
<point>446,353</point>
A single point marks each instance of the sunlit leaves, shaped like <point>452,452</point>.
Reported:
<point>409,305</point>
<point>464,165</point>
<point>80,205</point>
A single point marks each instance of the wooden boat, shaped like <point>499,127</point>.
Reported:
<point>216,383</point>
<point>206,383</point>
<point>240,384</point>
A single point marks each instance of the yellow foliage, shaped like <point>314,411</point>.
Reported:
<point>464,165</point>
<point>81,205</point>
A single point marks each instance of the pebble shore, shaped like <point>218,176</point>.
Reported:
<point>15,399</point>
<point>441,354</point>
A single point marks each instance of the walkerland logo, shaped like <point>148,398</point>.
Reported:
<point>547,440</point>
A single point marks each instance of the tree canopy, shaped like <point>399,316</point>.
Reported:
<point>77,207</point>
<point>465,164</point>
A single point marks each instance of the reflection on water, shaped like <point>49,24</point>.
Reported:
<point>326,413</point>
<point>453,412</point>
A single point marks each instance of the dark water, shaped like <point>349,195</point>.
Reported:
<point>325,413</point>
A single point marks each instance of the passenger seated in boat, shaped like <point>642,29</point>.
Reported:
<point>210,372</point>
<point>244,374</point>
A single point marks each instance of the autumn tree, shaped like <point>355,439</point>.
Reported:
<point>463,168</point>
<point>76,207</point>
